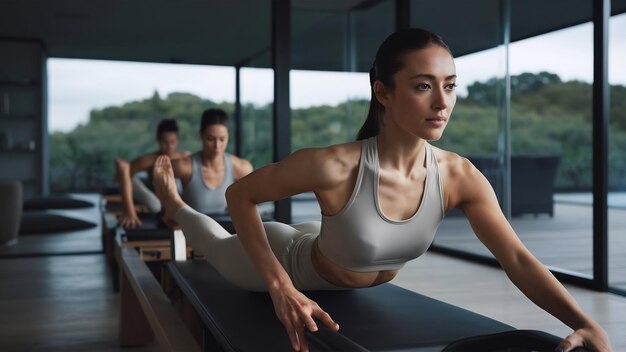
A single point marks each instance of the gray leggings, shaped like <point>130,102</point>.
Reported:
<point>291,244</point>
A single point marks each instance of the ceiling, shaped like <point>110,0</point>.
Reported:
<point>326,35</point>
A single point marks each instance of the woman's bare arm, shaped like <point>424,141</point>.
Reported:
<point>472,193</point>
<point>125,172</point>
<point>241,167</point>
<point>183,168</point>
<point>303,171</point>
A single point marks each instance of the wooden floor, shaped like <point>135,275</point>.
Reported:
<point>563,241</point>
<point>58,303</point>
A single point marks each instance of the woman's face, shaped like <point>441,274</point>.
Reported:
<point>214,139</point>
<point>423,97</point>
<point>168,143</point>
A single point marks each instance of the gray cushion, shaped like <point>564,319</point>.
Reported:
<point>10,211</point>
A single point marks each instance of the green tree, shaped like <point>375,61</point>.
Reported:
<point>548,116</point>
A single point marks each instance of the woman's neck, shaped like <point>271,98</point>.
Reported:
<point>399,150</point>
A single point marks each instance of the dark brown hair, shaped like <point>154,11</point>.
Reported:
<point>213,117</point>
<point>166,125</point>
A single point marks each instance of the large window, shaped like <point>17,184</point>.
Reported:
<point>328,107</point>
<point>551,146</point>
<point>548,148</point>
<point>476,124</point>
<point>257,95</point>
<point>100,110</point>
<point>473,133</point>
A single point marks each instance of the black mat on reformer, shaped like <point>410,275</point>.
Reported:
<point>151,229</point>
<point>382,318</point>
<point>55,202</point>
<point>48,223</point>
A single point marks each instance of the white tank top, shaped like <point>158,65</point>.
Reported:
<point>360,237</point>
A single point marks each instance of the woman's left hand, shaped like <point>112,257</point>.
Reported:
<point>593,338</point>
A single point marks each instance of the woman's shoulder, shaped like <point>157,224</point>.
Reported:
<point>328,165</point>
<point>183,158</point>
<point>453,164</point>
<point>181,154</point>
<point>345,154</point>
<point>145,161</point>
<point>348,149</point>
<point>183,164</point>
<point>462,181</point>
<point>241,166</point>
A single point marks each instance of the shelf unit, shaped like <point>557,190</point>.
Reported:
<point>23,117</point>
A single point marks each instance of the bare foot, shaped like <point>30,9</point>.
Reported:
<point>165,187</point>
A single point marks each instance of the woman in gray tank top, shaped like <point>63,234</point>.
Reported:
<point>382,198</point>
<point>206,174</point>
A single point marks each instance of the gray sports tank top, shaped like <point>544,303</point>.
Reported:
<point>360,238</point>
<point>202,198</point>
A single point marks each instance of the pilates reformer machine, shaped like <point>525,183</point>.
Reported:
<point>197,310</point>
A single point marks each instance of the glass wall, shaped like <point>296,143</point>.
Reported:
<point>473,133</point>
<point>548,194</point>
<point>477,119</point>
<point>100,110</point>
<point>328,107</point>
<point>551,143</point>
<point>257,94</point>
<point>617,153</point>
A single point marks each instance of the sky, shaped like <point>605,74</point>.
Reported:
<point>75,87</point>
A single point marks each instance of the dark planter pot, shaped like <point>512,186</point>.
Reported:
<point>10,211</point>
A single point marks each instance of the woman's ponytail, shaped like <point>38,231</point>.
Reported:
<point>372,123</point>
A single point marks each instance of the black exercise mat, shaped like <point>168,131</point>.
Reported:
<point>55,202</point>
<point>48,223</point>
<point>381,318</point>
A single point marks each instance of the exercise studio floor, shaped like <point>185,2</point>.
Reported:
<point>66,303</point>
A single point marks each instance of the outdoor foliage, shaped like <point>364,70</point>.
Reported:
<point>548,116</point>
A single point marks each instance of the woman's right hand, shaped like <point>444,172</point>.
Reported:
<point>296,312</point>
<point>593,337</point>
